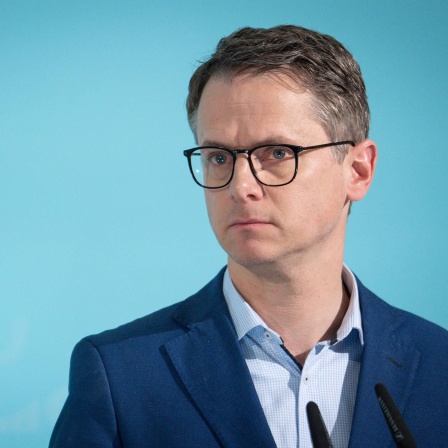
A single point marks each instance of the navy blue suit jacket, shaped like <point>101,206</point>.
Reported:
<point>177,378</point>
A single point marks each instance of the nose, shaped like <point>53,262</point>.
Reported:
<point>244,186</point>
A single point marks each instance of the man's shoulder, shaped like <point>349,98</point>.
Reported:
<point>403,325</point>
<point>158,322</point>
<point>165,323</point>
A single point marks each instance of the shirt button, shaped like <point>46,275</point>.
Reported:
<point>305,379</point>
<point>268,335</point>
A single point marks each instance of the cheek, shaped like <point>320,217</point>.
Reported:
<point>212,204</point>
<point>316,201</point>
<point>338,189</point>
<point>332,201</point>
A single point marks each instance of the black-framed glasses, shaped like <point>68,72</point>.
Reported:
<point>273,165</point>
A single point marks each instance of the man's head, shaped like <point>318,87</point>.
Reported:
<point>261,92</point>
<point>316,62</point>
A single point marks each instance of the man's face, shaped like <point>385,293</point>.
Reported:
<point>261,226</point>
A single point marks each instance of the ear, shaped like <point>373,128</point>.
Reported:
<point>361,162</point>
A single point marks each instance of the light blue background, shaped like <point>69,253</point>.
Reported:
<point>100,222</point>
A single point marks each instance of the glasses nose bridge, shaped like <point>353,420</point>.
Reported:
<point>247,152</point>
<point>235,152</point>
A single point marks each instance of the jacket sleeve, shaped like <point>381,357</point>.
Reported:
<point>87,419</point>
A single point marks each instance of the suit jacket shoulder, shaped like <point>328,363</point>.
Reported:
<point>170,321</point>
<point>402,328</point>
<point>408,355</point>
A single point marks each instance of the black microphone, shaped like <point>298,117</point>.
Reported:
<point>318,430</point>
<point>400,432</point>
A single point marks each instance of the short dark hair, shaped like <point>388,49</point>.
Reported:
<point>316,61</point>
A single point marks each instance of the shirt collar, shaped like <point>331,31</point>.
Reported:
<point>243,315</point>
<point>352,319</point>
<point>245,318</point>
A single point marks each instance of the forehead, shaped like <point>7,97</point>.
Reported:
<point>248,109</point>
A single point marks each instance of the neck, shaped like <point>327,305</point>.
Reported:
<point>304,304</point>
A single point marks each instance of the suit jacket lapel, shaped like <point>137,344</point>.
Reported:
<point>386,359</point>
<point>210,365</point>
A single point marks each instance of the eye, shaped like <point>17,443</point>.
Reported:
<point>268,154</point>
<point>279,153</point>
<point>219,158</point>
<point>215,157</point>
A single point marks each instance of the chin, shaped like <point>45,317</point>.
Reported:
<point>247,251</point>
<point>258,259</point>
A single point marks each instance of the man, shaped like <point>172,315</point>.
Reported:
<point>281,119</point>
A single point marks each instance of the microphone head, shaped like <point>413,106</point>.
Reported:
<point>318,430</point>
<point>400,432</point>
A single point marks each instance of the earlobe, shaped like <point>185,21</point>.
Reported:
<point>361,161</point>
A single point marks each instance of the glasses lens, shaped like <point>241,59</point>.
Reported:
<point>274,165</point>
<point>212,167</point>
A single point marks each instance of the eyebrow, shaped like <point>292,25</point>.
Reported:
<point>278,139</point>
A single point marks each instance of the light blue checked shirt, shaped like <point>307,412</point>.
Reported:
<point>329,376</point>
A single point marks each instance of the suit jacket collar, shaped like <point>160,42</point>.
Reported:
<point>209,362</point>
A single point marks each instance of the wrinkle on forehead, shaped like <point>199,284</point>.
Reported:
<point>242,106</point>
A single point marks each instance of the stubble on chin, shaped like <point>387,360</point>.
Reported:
<point>260,262</point>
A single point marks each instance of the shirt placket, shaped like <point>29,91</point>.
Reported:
<point>308,390</point>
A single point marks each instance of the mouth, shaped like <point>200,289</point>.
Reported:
<point>248,223</point>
